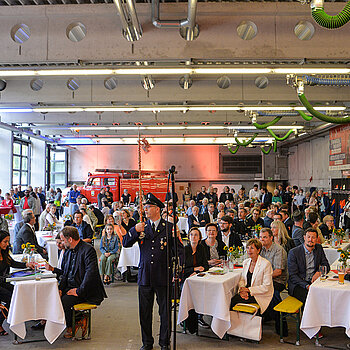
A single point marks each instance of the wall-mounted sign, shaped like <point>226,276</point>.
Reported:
<point>339,148</point>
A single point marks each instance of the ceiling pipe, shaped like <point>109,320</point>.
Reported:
<point>31,134</point>
<point>189,30</point>
<point>132,30</point>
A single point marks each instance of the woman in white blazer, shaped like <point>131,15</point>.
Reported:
<point>255,285</point>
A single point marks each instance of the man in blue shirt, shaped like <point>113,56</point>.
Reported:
<point>85,231</point>
<point>73,194</point>
<point>304,262</point>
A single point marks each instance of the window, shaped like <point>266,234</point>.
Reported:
<point>109,181</point>
<point>58,168</point>
<point>20,162</point>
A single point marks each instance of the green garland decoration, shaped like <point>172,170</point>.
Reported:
<point>266,151</point>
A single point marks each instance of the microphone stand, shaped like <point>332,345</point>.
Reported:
<point>175,261</point>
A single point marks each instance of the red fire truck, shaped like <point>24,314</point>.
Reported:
<point>119,180</point>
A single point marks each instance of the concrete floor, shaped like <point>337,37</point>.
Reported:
<point>115,326</point>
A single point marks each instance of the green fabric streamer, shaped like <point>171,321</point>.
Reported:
<point>321,116</point>
<point>264,126</point>
<point>305,116</point>
<point>246,143</point>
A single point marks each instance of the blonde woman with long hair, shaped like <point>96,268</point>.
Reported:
<point>280,235</point>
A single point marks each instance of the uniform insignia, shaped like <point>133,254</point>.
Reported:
<point>163,223</point>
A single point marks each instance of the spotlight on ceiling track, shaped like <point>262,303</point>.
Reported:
<point>3,84</point>
<point>147,83</point>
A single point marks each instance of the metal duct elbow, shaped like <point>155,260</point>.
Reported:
<point>189,30</point>
<point>132,30</point>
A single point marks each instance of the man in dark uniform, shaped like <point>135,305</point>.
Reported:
<point>153,271</point>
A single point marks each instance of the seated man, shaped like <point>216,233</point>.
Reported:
<point>277,256</point>
<point>297,229</point>
<point>84,229</point>
<point>27,234</point>
<point>240,224</point>
<point>226,233</point>
<point>196,219</point>
<point>303,265</point>
<point>255,219</point>
<point>80,281</point>
<point>268,219</point>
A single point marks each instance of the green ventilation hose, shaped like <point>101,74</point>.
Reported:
<point>270,147</point>
<point>264,126</point>
<point>280,138</point>
<point>231,150</point>
<point>263,150</point>
<point>320,115</point>
<point>246,143</point>
<point>305,116</point>
<point>331,22</point>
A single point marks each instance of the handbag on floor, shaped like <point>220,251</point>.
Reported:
<point>245,325</point>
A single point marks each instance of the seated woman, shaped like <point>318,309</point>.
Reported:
<point>276,197</point>
<point>127,221</point>
<point>327,226</point>
<point>213,248</point>
<point>195,256</point>
<point>6,289</point>
<point>280,235</point>
<point>195,262</point>
<point>110,250</point>
<point>50,217</point>
<point>255,285</point>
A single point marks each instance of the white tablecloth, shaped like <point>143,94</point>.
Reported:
<point>183,224</point>
<point>129,257</point>
<point>36,300</point>
<point>46,240</point>
<point>332,254</point>
<point>210,295</point>
<point>17,216</point>
<point>327,304</point>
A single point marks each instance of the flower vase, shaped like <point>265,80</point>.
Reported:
<point>231,264</point>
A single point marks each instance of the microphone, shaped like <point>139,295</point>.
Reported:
<point>172,169</point>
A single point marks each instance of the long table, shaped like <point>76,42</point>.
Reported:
<point>47,240</point>
<point>327,304</point>
<point>332,254</point>
<point>36,300</point>
<point>210,295</point>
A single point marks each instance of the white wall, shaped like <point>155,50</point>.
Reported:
<point>311,159</point>
<point>6,159</point>
<point>38,163</point>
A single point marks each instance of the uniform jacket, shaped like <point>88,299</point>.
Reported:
<point>262,286</point>
<point>153,257</point>
<point>85,272</point>
<point>297,265</point>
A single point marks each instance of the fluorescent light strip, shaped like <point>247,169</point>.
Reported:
<point>180,127</point>
<point>168,109</point>
<point>159,141</point>
<point>169,71</point>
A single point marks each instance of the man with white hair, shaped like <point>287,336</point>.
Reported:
<point>268,219</point>
<point>189,210</point>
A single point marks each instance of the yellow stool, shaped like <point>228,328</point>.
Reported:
<point>290,307</point>
<point>83,310</point>
<point>247,308</point>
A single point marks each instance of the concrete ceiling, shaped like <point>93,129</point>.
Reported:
<point>218,45</point>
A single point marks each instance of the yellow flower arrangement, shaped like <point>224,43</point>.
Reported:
<point>344,256</point>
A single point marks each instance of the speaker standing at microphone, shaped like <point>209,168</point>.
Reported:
<point>153,270</point>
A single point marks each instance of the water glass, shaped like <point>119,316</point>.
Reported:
<point>323,271</point>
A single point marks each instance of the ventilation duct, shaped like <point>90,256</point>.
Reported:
<point>189,30</point>
<point>132,30</point>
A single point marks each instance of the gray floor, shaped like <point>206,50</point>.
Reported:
<point>116,326</point>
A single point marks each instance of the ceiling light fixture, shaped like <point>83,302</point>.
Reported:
<point>169,71</point>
